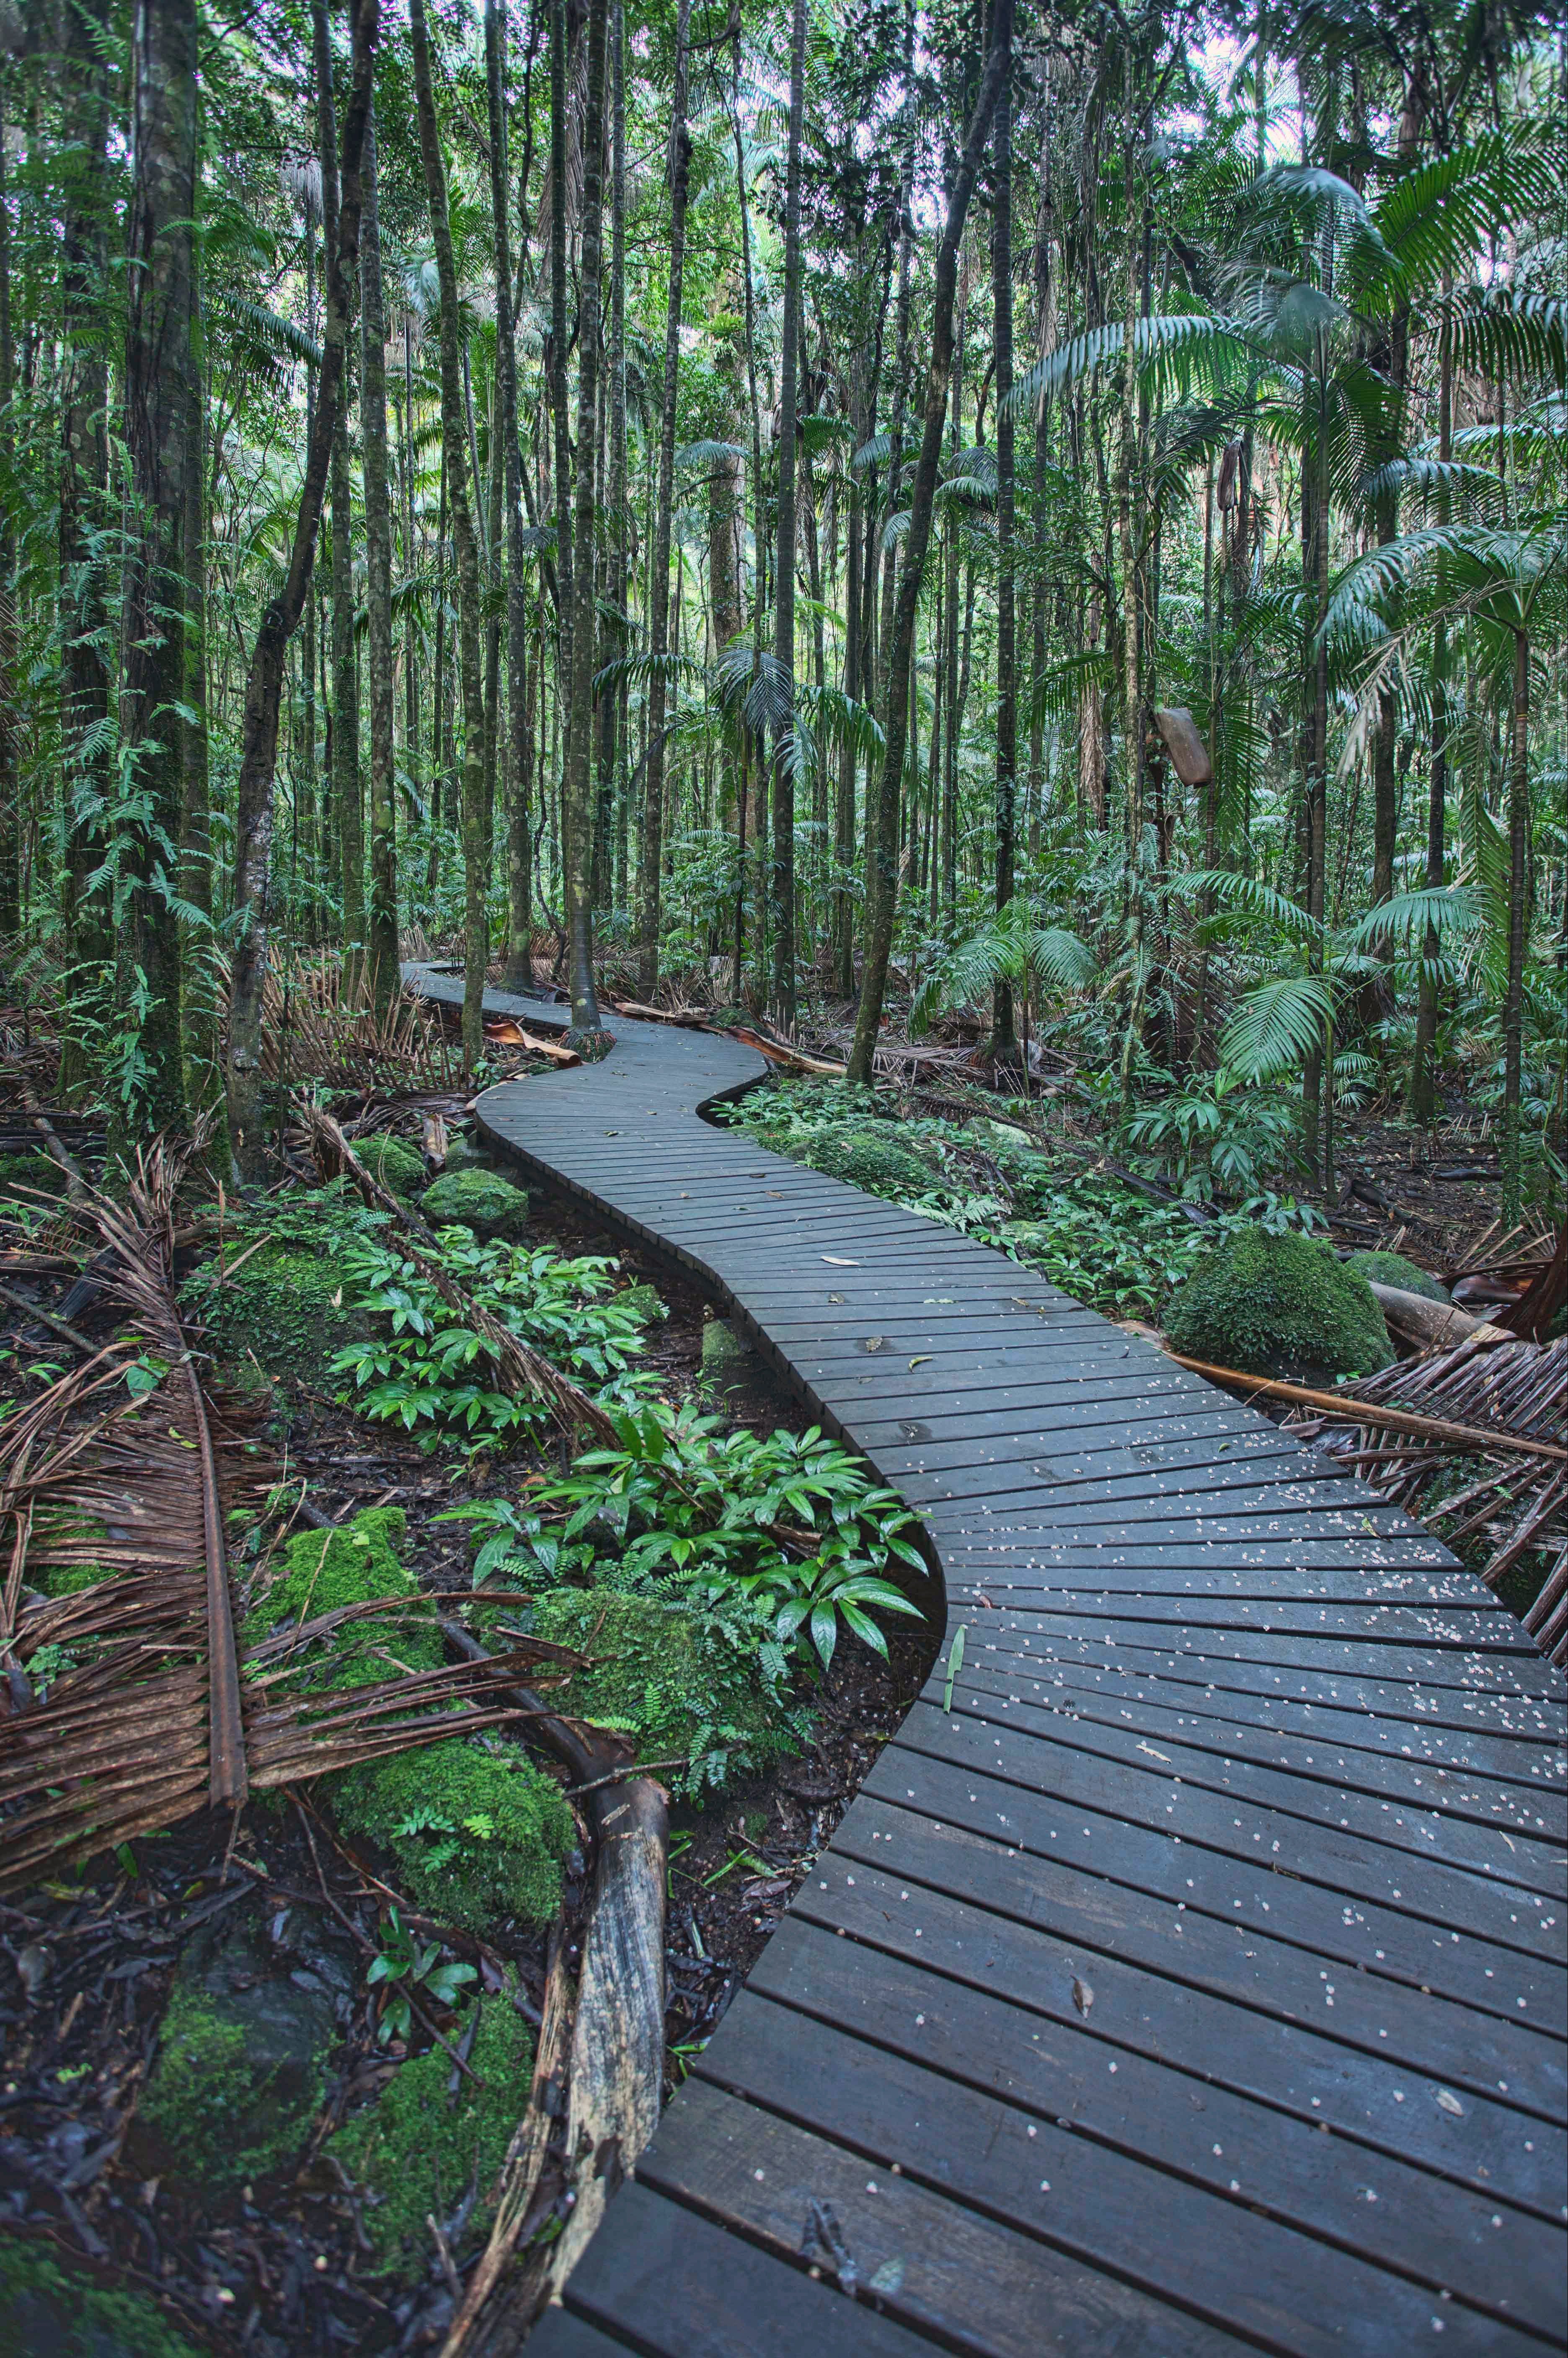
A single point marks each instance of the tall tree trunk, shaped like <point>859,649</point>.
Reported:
<point>885,822</point>
<point>1003,1038</point>
<point>465,547</point>
<point>381,920</point>
<point>652,849</point>
<point>556,355</point>
<point>346,823</point>
<point>844,829</point>
<point>160,404</point>
<point>11,824</point>
<point>83,488</point>
<point>783,979</point>
<point>1518,927</point>
<point>578,814</point>
<point>258,754</point>
<point>617,632</point>
<point>1423,1092</point>
<point>519,844</point>
<point>199,1010</point>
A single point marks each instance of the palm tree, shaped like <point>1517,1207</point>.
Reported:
<point>1009,951</point>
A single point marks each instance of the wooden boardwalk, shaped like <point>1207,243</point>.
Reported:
<point>1197,1983</point>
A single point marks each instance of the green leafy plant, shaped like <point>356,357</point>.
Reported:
<point>402,1965</point>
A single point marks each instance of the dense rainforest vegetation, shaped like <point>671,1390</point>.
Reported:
<point>843,513</point>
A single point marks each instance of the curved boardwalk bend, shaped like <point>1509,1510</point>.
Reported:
<point>1194,1985</point>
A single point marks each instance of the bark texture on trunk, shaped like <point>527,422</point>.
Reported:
<point>465,547</point>
<point>885,819</point>
<point>578,812</point>
<point>161,401</point>
<point>348,824</point>
<point>652,912</point>
<point>784,985</point>
<point>381,914</point>
<point>258,755</point>
<point>1003,1038</point>
<point>520,842</point>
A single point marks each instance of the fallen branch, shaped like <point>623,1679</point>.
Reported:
<point>1433,1325</point>
<point>618,2045</point>
<point>35,1314</point>
<point>1472,1438</point>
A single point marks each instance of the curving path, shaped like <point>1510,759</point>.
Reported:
<point>1197,1983</point>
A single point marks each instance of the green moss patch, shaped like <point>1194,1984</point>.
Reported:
<point>477,1831</point>
<point>864,1157</point>
<point>1278,1305</point>
<point>477,1199</point>
<point>688,1685</point>
<point>1393,1269</point>
<point>283,1307</point>
<point>226,2104</point>
<point>399,1166</point>
<point>50,2310</point>
<point>37,1172</point>
<point>417,2150</point>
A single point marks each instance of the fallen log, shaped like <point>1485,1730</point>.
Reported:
<point>1433,1325</point>
<point>618,2043</point>
<point>1473,1438</point>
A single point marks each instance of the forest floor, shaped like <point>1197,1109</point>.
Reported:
<point>283,2266</point>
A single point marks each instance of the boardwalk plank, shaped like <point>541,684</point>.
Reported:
<point>1234,1742</point>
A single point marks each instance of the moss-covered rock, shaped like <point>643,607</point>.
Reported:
<point>728,1359</point>
<point>477,1831</point>
<point>51,2308</point>
<point>690,1686</point>
<point>239,2072</point>
<point>414,2152</point>
<point>478,1834</point>
<point>399,1165</point>
<point>865,1158</point>
<point>465,1153</point>
<point>1278,1305</point>
<point>481,1200</point>
<point>1393,1269</point>
<point>283,1307</point>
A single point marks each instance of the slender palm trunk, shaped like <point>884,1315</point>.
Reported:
<point>348,827</point>
<point>578,814</point>
<point>519,844</point>
<point>465,547</point>
<point>1518,927</point>
<point>652,849</point>
<point>883,825</point>
<point>1423,1092</point>
<point>784,977</point>
<point>160,404</point>
<point>1003,1039</point>
<point>381,920</point>
<point>258,754</point>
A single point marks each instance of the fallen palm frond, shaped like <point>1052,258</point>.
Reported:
<point>521,1371</point>
<point>1495,1414</point>
<point>319,1024</point>
<point>125,1706</point>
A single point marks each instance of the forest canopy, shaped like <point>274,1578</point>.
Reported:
<point>843,515</point>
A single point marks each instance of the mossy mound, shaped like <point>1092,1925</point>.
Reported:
<point>284,1308</point>
<point>465,1154</point>
<point>1278,1305</point>
<point>476,1199</point>
<point>688,1685</point>
<point>865,1158</point>
<point>50,2310</point>
<point>399,1165</point>
<point>415,2152</point>
<point>1393,1269</point>
<point>235,2086</point>
<point>478,1832</point>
